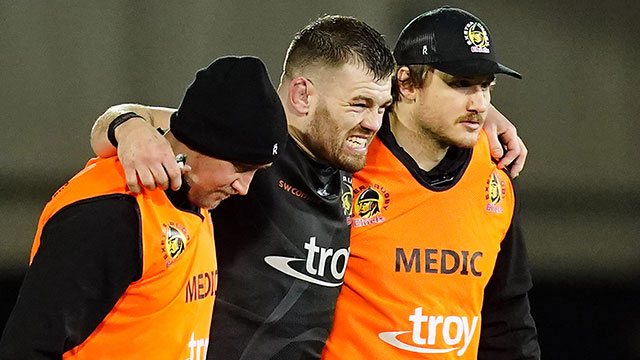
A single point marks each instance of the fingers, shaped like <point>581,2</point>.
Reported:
<point>146,178</point>
<point>494,142</point>
<point>172,172</point>
<point>516,156</point>
<point>502,134</point>
<point>159,175</point>
<point>132,179</point>
<point>154,176</point>
<point>518,164</point>
<point>147,159</point>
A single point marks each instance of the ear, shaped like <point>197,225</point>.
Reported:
<point>300,90</point>
<point>405,87</point>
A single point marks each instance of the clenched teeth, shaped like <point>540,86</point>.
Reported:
<point>356,142</point>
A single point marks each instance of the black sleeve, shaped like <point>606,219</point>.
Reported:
<point>90,252</point>
<point>508,330</point>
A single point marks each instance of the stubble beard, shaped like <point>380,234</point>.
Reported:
<point>327,143</point>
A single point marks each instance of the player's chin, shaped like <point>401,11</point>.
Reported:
<point>207,202</point>
<point>352,163</point>
<point>466,140</point>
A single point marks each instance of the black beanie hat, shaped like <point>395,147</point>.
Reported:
<point>232,112</point>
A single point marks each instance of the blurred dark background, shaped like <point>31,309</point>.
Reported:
<point>63,63</point>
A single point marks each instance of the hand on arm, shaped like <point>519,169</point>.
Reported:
<point>144,153</point>
<point>502,135</point>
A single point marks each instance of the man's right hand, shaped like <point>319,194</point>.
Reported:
<point>147,156</point>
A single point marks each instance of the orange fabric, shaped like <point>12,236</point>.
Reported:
<point>167,313</point>
<point>420,261</point>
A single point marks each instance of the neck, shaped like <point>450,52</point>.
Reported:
<point>422,146</point>
<point>299,137</point>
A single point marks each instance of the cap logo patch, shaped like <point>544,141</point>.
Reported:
<point>425,50</point>
<point>476,37</point>
<point>275,149</point>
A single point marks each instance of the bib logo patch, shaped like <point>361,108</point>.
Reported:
<point>495,191</point>
<point>476,37</point>
<point>369,205</point>
<point>174,242</point>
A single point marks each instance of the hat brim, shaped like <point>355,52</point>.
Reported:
<point>470,68</point>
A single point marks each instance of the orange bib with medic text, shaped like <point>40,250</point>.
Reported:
<point>166,314</point>
<point>420,260</point>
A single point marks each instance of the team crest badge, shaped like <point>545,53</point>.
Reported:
<point>495,191</point>
<point>347,197</point>
<point>174,242</point>
<point>369,205</point>
<point>477,37</point>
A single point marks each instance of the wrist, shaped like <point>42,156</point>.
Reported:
<point>120,122</point>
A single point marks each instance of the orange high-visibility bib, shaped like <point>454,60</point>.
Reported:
<point>420,260</point>
<point>166,314</point>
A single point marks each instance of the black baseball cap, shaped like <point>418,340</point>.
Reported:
<point>232,112</point>
<point>451,40</point>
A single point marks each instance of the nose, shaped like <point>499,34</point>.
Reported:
<point>479,100</point>
<point>372,120</point>
<point>241,184</point>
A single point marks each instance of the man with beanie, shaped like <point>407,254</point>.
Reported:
<point>119,275</point>
<point>282,249</point>
<point>439,269</point>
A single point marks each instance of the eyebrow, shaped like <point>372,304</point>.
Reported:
<point>369,101</point>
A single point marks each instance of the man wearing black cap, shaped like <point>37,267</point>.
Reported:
<point>282,249</point>
<point>439,271</point>
<point>118,275</point>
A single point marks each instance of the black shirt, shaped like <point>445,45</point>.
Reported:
<point>282,252</point>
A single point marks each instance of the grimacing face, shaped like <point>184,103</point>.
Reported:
<point>451,110</point>
<point>347,116</point>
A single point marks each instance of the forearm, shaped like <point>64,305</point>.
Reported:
<point>156,117</point>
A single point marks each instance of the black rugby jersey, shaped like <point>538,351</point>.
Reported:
<point>282,252</point>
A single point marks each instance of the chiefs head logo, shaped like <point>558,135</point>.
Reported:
<point>368,203</point>
<point>476,37</point>
<point>174,241</point>
<point>495,191</point>
<point>347,198</point>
